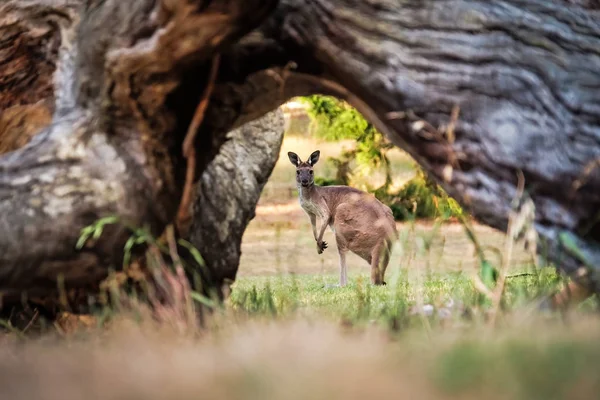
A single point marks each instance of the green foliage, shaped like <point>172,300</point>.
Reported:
<point>420,198</point>
<point>323,181</point>
<point>334,120</point>
<point>94,231</point>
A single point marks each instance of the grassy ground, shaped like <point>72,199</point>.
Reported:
<point>283,335</point>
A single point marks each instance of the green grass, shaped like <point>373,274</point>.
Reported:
<point>524,358</point>
<point>301,295</point>
<point>289,336</point>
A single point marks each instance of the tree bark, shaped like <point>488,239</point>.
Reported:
<point>227,194</point>
<point>522,73</point>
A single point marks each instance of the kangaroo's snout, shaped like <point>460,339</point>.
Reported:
<point>304,176</point>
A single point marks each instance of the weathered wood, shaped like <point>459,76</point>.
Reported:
<point>30,37</point>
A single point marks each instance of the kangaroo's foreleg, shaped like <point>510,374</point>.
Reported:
<point>313,222</point>
<point>321,245</point>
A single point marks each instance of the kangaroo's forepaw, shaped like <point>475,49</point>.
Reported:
<point>321,246</point>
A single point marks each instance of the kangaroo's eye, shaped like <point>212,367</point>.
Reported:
<point>297,172</point>
<point>311,172</point>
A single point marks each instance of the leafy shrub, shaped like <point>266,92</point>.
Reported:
<point>420,198</point>
<point>335,120</point>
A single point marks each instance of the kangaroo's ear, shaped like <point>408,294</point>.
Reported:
<point>314,157</point>
<point>294,159</point>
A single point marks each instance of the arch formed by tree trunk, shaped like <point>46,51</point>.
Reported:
<point>121,81</point>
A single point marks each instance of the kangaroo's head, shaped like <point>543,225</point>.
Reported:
<point>304,170</point>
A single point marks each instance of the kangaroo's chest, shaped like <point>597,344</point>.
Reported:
<point>312,207</point>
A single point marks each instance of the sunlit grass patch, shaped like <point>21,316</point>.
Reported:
<point>447,295</point>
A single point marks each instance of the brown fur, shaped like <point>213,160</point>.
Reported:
<point>360,222</point>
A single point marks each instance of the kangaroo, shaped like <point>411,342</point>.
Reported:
<point>360,222</point>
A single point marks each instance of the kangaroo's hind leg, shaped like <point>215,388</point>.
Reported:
<point>376,257</point>
<point>342,250</point>
<point>380,258</point>
<point>343,268</point>
<point>386,253</point>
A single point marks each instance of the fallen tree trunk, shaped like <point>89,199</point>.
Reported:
<point>522,74</point>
